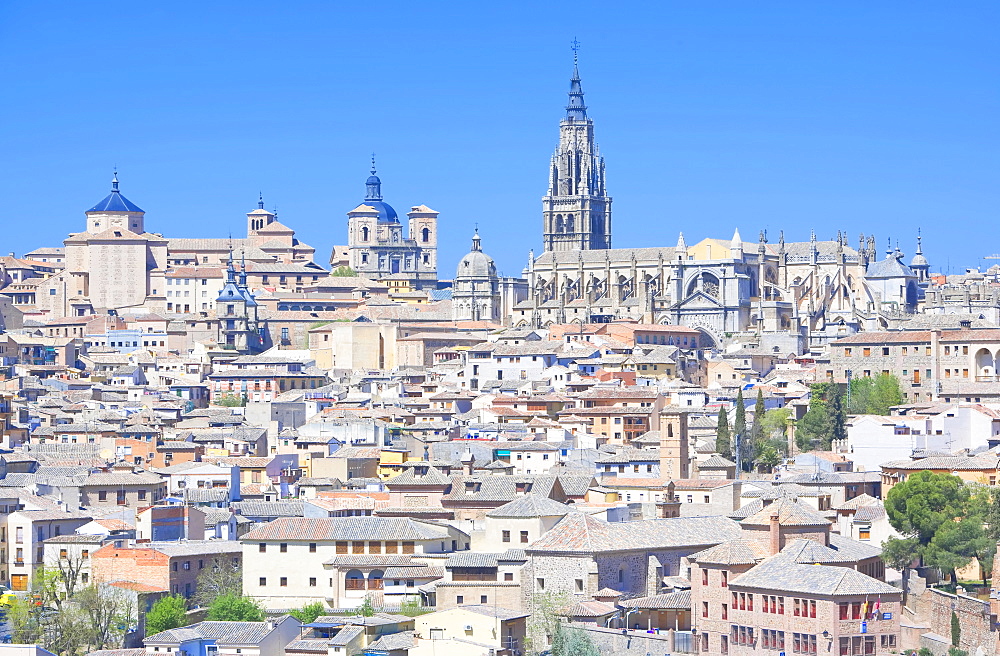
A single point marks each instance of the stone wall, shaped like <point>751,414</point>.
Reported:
<point>934,607</point>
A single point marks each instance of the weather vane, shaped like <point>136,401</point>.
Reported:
<point>574,46</point>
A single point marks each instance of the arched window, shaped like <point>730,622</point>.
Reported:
<point>569,223</point>
<point>425,234</point>
<point>364,233</point>
<point>559,223</point>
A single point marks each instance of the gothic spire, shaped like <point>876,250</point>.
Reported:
<point>576,110</point>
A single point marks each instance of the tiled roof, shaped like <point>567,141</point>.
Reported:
<point>578,532</point>
<point>679,600</point>
<point>790,513</point>
<point>716,462</point>
<point>734,552</point>
<point>224,633</point>
<point>503,614</point>
<point>413,572</point>
<point>370,560</point>
<point>269,508</point>
<point>530,505</point>
<point>781,573</point>
<point>404,640</point>
<point>346,528</point>
<point>589,609</point>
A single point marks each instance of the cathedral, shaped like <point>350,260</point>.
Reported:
<point>377,248</point>
<point>814,290</point>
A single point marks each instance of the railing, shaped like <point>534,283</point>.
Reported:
<point>354,584</point>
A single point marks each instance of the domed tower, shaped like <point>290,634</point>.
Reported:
<point>476,291</point>
<point>115,211</point>
<point>919,264</point>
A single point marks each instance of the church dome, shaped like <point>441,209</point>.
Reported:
<point>115,202</point>
<point>918,261</point>
<point>476,264</point>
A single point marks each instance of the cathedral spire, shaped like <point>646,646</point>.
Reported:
<point>373,186</point>
<point>576,110</point>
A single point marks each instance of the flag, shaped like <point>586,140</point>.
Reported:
<point>864,609</point>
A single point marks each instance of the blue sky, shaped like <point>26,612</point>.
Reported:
<point>874,117</point>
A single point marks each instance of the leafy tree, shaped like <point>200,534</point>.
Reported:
<point>769,457</point>
<point>814,427</point>
<point>924,651</point>
<point>366,609</point>
<point>572,641</point>
<point>861,394</point>
<point>941,519</point>
<point>545,618</point>
<point>874,396</point>
<point>885,394</point>
<point>221,577</point>
<point>774,424</point>
<point>25,621</point>
<point>308,613</point>
<point>899,553</point>
<point>412,608</point>
<point>229,400</point>
<point>235,608</point>
<point>837,412</point>
<point>344,272</point>
<point>956,630</point>
<point>723,443</point>
<point>167,613</point>
<point>740,422</point>
<point>107,615</point>
<point>955,651</point>
<point>757,431</point>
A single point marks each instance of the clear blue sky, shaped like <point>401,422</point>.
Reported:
<point>875,117</point>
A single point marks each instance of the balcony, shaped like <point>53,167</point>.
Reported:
<point>354,584</point>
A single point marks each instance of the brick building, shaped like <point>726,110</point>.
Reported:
<point>787,584</point>
<point>172,566</point>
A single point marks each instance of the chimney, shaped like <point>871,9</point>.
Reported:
<point>775,534</point>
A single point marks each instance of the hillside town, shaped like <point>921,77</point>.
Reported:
<point>238,445</point>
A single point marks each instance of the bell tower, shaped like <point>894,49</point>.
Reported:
<point>576,211</point>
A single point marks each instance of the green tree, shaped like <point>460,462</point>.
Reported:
<point>221,577</point>
<point>861,394</point>
<point>308,613</point>
<point>107,615</point>
<point>757,431</point>
<point>814,427</point>
<point>956,630</point>
<point>769,457</point>
<point>545,617</point>
<point>740,421</point>
<point>723,443</point>
<point>344,272</point>
<point>412,608</point>
<point>235,608</point>
<point>955,651</point>
<point>885,394</point>
<point>25,621</point>
<point>741,440</point>
<point>838,413</point>
<point>775,423</point>
<point>366,609</point>
<point>167,613</point>
<point>229,400</point>
<point>940,518</point>
<point>572,641</point>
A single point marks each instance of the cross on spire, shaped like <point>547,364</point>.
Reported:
<point>574,45</point>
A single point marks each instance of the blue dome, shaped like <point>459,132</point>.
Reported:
<point>385,212</point>
<point>373,180</point>
<point>115,202</point>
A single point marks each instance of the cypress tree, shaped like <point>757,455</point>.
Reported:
<point>723,440</point>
